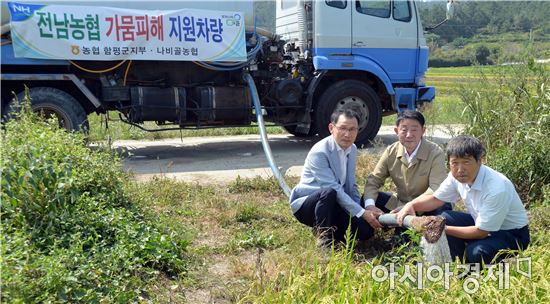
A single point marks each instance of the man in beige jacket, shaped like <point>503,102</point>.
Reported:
<point>415,165</point>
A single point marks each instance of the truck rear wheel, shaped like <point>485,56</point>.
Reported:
<point>56,104</point>
<point>352,94</point>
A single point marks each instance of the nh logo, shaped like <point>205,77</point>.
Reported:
<point>22,9</point>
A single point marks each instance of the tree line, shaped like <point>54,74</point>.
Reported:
<point>487,17</point>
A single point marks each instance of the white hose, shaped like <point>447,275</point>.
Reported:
<point>389,219</point>
<point>267,150</point>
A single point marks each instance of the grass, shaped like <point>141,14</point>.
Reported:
<point>248,248</point>
<point>229,226</point>
<point>245,246</point>
<point>447,108</point>
<point>117,130</point>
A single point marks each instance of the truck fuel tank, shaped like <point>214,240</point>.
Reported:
<point>158,104</point>
<point>232,105</point>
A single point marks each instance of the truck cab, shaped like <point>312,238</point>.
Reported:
<point>376,45</point>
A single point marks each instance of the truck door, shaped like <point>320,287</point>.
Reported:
<point>332,27</point>
<point>386,32</point>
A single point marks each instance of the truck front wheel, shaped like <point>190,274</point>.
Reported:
<point>56,104</point>
<point>355,95</point>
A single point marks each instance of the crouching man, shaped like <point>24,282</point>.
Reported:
<point>327,198</point>
<point>496,219</point>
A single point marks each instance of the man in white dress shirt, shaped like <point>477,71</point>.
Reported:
<point>496,218</point>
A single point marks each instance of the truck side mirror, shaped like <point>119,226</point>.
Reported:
<point>449,15</point>
<point>450,9</point>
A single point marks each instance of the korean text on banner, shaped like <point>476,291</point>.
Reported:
<point>104,33</point>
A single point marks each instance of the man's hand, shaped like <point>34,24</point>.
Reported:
<point>371,215</point>
<point>408,209</point>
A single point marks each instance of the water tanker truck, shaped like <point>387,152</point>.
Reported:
<point>181,64</point>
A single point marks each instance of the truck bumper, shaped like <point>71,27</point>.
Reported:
<point>412,98</point>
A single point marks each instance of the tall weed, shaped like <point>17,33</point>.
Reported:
<point>510,112</point>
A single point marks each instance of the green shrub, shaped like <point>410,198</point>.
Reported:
<point>68,231</point>
<point>510,113</point>
<point>255,239</point>
<point>481,54</point>
<point>248,213</point>
<point>440,62</point>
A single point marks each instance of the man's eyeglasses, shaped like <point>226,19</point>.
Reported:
<point>344,130</point>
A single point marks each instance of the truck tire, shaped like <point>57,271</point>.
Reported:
<point>352,94</point>
<point>55,103</point>
<point>292,130</point>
